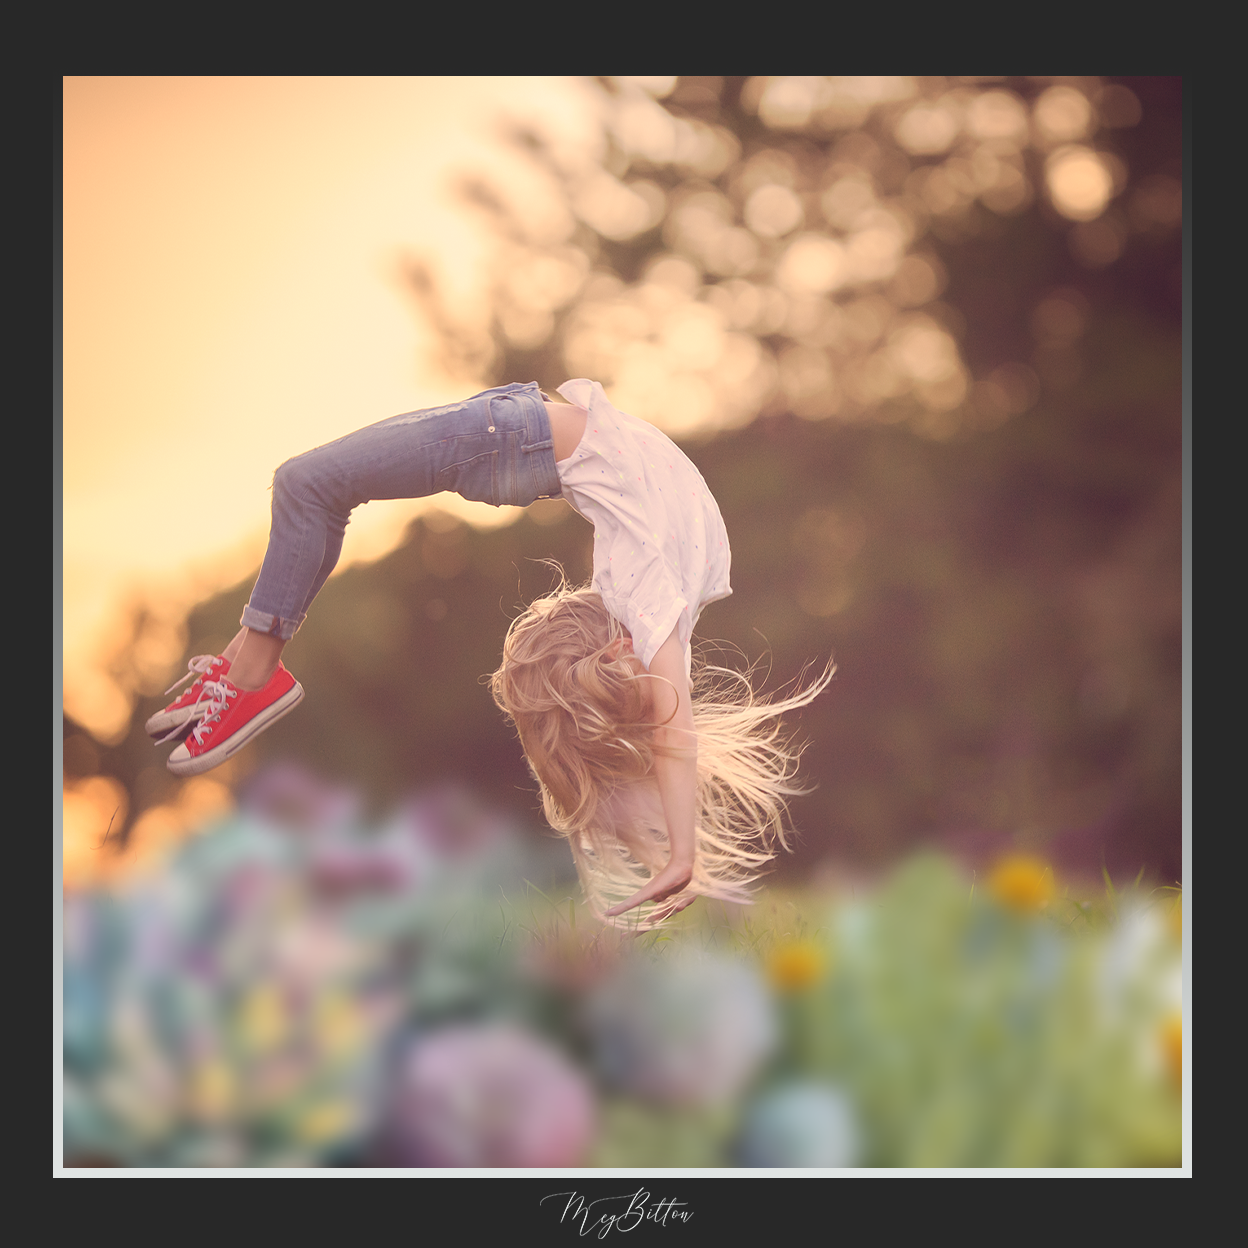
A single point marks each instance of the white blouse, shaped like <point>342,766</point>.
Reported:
<point>660,548</point>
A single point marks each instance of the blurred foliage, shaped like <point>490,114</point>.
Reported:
<point>972,1032</point>
<point>922,337</point>
<point>296,988</point>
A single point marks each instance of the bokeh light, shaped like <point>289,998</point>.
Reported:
<point>1079,181</point>
<point>1062,114</point>
<point>929,128</point>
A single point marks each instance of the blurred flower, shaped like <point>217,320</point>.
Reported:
<point>339,1027</point>
<point>1022,882</point>
<point>227,1012</point>
<point>795,965</point>
<point>262,1018</point>
<point>212,1091</point>
<point>800,1124</point>
<point>217,1014</point>
<point>291,795</point>
<point>683,1029</point>
<point>1139,966</point>
<point>1172,1046</point>
<point>326,1123</point>
<point>348,864</point>
<point>488,1095</point>
<point>454,821</point>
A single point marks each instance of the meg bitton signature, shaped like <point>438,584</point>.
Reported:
<point>637,1209</point>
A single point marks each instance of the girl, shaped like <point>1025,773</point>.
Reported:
<point>666,788</point>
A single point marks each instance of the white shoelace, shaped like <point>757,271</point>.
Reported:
<point>209,702</point>
<point>219,694</point>
<point>198,666</point>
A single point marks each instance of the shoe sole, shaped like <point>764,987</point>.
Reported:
<point>194,765</point>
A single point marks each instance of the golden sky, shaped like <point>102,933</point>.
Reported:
<point>231,298</point>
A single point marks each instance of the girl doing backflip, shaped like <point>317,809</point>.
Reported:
<point>668,784</point>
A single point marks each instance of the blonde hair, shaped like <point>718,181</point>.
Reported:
<point>575,692</point>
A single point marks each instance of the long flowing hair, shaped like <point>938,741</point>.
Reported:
<point>576,694</point>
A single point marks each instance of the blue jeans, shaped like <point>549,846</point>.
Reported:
<point>495,447</point>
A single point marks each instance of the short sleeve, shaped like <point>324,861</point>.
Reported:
<point>651,617</point>
<point>582,391</point>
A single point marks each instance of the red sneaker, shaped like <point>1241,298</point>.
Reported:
<point>231,717</point>
<point>186,708</point>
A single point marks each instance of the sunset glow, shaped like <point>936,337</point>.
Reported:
<point>233,296</point>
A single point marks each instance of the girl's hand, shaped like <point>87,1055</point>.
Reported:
<point>674,878</point>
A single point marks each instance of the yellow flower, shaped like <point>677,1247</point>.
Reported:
<point>337,1024</point>
<point>1172,1046</point>
<point>263,1020</point>
<point>795,965</point>
<point>324,1123</point>
<point>212,1091</point>
<point>1022,883</point>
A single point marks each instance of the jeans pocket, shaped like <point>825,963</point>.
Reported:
<point>475,479</point>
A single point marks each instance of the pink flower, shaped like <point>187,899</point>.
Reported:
<point>488,1095</point>
<point>683,1030</point>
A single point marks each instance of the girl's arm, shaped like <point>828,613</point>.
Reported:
<point>675,769</point>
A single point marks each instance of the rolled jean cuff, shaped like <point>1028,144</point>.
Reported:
<point>270,625</point>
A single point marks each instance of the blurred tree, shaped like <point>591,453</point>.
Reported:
<point>887,250</point>
<point>924,338</point>
<point>993,264</point>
